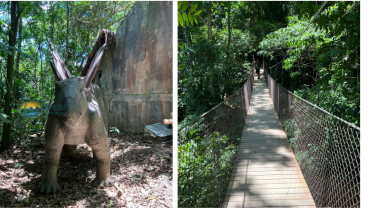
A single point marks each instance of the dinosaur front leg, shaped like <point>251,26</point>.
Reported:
<point>49,182</point>
<point>102,155</point>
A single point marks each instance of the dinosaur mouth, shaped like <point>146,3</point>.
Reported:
<point>70,119</point>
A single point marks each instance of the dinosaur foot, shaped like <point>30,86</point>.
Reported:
<point>100,182</point>
<point>46,188</point>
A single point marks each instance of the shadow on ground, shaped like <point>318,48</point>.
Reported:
<point>141,175</point>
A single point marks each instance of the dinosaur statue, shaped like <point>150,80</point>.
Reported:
<point>77,116</point>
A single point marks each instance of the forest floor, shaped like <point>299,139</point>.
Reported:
<point>141,175</point>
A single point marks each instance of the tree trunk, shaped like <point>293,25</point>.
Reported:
<point>41,53</point>
<point>42,80</point>
<point>5,141</point>
<point>1,78</point>
<point>66,53</point>
<point>228,42</point>
<point>209,24</point>
<point>35,75</point>
<point>19,43</point>
<point>18,55</point>
<point>52,38</point>
<point>228,26</point>
<point>52,24</point>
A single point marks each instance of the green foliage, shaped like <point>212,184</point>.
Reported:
<point>277,43</point>
<point>324,65</point>
<point>205,81</point>
<point>205,165</point>
<point>5,49</point>
<point>207,71</point>
<point>185,18</point>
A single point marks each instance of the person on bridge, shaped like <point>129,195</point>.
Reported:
<point>258,66</point>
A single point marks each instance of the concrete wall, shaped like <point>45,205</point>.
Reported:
<point>136,75</point>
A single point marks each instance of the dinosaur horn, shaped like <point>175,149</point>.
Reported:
<point>59,75</point>
<point>93,67</point>
<point>58,64</point>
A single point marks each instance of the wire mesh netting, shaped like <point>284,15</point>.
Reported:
<point>326,148</point>
<point>207,149</point>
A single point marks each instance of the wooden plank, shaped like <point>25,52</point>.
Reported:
<point>270,181</point>
<point>258,139</point>
<point>263,169</point>
<point>272,203</point>
<point>268,151</point>
<point>231,206</point>
<point>264,157</point>
<point>257,163</point>
<point>269,158</point>
<point>267,197</point>
<point>250,165</point>
<point>265,177</point>
<point>245,155</point>
<point>267,191</point>
<point>244,174</point>
<point>264,145</point>
<point>236,186</point>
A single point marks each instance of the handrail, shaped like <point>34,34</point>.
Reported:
<point>212,138</point>
<point>212,109</point>
<point>326,147</point>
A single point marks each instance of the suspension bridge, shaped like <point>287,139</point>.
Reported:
<point>265,172</point>
<point>291,153</point>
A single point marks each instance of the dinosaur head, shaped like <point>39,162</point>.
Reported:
<point>70,102</point>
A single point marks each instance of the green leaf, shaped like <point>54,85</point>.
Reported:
<point>195,19</point>
<point>5,48</point>
<point>193,8</point>
<point>180,19</point>
<point>197,12</point>
<point>179,5</point>
<point>3,117</point>
<point>22,53</point>
<point>185,17</point>
<point>193,52</point>
<point>184,6</point>
<point>190,18</point>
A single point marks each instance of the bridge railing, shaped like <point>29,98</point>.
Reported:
<point>207,149</point>
<point>326,148</point>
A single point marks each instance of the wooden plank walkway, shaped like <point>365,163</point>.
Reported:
<point>265,172</point>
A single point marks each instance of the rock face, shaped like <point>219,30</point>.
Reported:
<point>136,75</point>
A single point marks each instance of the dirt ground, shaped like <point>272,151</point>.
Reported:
<point>141,175</point>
